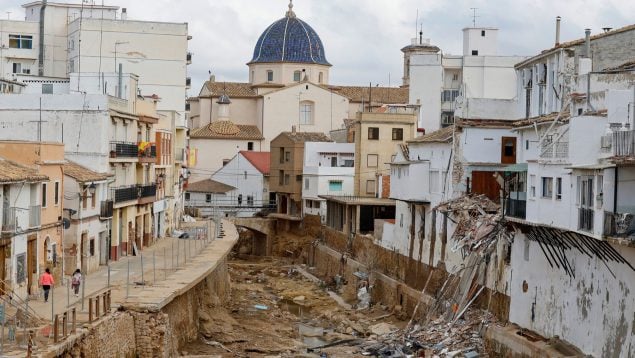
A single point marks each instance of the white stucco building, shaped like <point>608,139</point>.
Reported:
<point>328,169</point>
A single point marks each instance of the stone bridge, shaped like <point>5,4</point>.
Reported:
<point>264,230</point>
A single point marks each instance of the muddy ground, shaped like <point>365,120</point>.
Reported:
<point>271,303</point>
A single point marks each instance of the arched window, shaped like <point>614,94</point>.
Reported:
<point>297,75</point>
<point>320,77</point>
<point>306,112</point>
<point>269,75</point>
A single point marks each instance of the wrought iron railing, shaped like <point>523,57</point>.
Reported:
<point>123,150</point>
<point>106,209</point>
<point>125,193</point>
<point>516,208</point>
<point>623,143</point>
<point>585,219</point>
<point>147,190</point>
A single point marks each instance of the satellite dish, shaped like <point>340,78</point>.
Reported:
<point>66,223</point>
<point>459,100</point>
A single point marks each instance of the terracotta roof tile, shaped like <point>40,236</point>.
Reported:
<point>83,174</point>
<point>384,95</point>
<point>260,160</point>
<point>227,130</point>
<point>301,137</point>
<point>13,172</point>
<point>209,186</point>
<point>441,135</point>
<point>564,117</point>
<point>232,89</point>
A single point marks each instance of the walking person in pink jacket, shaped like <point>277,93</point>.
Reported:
<point>47,281</point>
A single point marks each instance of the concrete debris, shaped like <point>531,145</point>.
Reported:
<point>382,328</point>
<point>363,298</point>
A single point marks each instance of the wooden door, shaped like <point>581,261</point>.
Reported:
<point>508,150</point>
<point>485,183</point>
<point>31,261</point>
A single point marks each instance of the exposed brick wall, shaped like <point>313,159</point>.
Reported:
<point>385,186</point>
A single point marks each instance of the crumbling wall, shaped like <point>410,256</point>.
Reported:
<point>114,336</point>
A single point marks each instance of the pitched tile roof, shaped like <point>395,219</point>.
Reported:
<point>564,117</point>
<point>209,186</point>
<point>384,95</point>
<point>232,89</point>
<point>301,137</point>
<point>83,174</point>
<point>11,172</point>
<point>441,135</point>
<point>260,160</point>
<point>227,130</point>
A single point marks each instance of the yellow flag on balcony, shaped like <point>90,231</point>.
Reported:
<point>143,146</point>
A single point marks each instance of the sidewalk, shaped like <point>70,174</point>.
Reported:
<point>159,260</point>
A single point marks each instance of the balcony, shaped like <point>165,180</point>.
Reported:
<point>516,208</point>
<point>624,144</point>
<point>106,210</point>
<point>585,219</point>
<point>35,216</point>
<point>148,154</point>
<point>188,58</point>
<point>125,193</point>
<point>619,225</point>
<point>147,193</point>
<point>123,150</point>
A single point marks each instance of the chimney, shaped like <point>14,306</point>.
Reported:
<point>587,43</point>
<point>124,13</point>
<point>212,78</point>
<point>558,30</point>
<point>292,129</point>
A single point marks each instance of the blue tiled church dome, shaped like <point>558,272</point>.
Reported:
<point>289,40</point>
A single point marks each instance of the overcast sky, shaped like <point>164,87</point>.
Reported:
<point>363,38</point>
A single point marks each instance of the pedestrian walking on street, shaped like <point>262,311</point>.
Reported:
<point>47,281</point>
<point>76,280</point>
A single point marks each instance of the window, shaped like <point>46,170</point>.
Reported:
<point>547,187</point>
<point>373,133</point>
<point>298,178</point>
<point>208,198</point>
<point>586,192</point>
<point>280,177</point>
<point>43,195</point>
<point>320,77</point>
<point>449,95</point>
<point>17,67</point>
<point>187,196</point>
<point>93,199</point>
<point>483,33</point>
<point>334,162</point>
<point>91,247</point>
<point>558,188</point>
<point>370,187</point>
<point>269,76</point>
<point>287,156</point>
<point>297,76</point>
<point>57,193</point>
<point>47,88</point>
<point>532,186</point>
<point>240,199</point>
<point>349,163</point>
<point>250,146</point>
<point>306,112</point>
<point>306,183</point>
<point>372,160</point>
<point>245,174</point>
<point>335,185</point>
<point>447,119</point>
<point>250,200</point>
<point>225,161</point>
<point>455,77</point>
<point>20,41</point>
<point>397,134</point>
<point>474,52</point>
<point>282,155</point>
<point>286,179</point>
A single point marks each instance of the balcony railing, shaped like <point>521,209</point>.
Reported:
<point>585,219</point>
<point>106,210</point>
<point>35,216</point>
<point>619,224</point>
<point>125,193</point>
<point>516,208</point>
<point>123,150</point>
<point>149,154</point>
<point>147,190</point>
<point>623,143</point>
<point>8,218</point>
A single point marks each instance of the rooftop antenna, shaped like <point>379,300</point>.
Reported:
<point>417,23</point>
<point>474,16</point>
<point>421,34</point>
